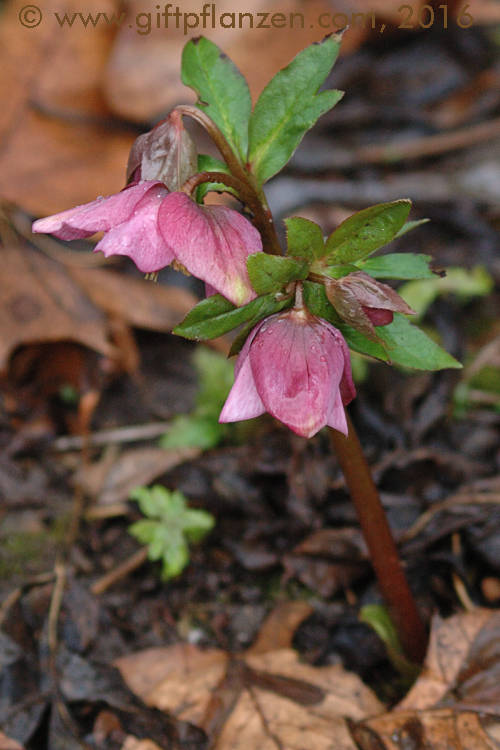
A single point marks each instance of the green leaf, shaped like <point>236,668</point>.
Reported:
<point>169,527</point>
<point>337,272</point>
<point>222,91</point>
<point>201,428</point>
<point>304,238</point>
<point>379,619</point>
<point>269,273</point>
<point>398,266</point>
<point>289,106</point>
<point>317,303</point>
<point>408,226</point>
<point>214,316</point>
<point>208,163</point>
<point>366,231</point>
<point>359,343</point>
<point>193,431</point>
<point>465,283</point>
<point>216,377</point>
<point>409,346</point>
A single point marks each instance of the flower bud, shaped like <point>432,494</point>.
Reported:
<point>166,153</point>
<point>364,303</point>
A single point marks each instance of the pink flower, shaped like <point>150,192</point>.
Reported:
<point>154,227</point>
<point>129,220</point>
<point>212,242</point>
<point>296,367</point>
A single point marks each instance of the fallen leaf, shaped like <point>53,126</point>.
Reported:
<point>455,703</point>
<point>8,744</point>
<point>450,647</point>
<point>43,300</point>
<point>260,700</point>
<point>132,743</point>
<point>439,729</point>
<point>133,468</point>
<point>59,144</point>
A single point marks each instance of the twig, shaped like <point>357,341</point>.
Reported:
<point>129,434</point>
<point>432,145</point>
<point>461,498</point>
<point>121,571</point>
<point>458,584</point>
<point>55,607</point>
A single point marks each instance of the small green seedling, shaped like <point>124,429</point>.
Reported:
<point>170,525</point>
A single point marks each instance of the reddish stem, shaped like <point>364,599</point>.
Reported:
<point>251,194</point>
<point>381,545</point>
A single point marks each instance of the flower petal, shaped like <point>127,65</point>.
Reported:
<point>347,388</point>
<point>212,242</point>
<point>297,368</point>
<point>98,216</point>
<point>243,401</point>
<point>139,236</point>
<point>337,418</point>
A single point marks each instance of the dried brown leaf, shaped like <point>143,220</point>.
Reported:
<point>133,468</point>
<point>265,699</point>
<point>44,300</point>
<point>449,649</point>
<point>7,744</point>
<point>59,144</point>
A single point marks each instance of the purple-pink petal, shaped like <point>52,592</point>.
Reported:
<point>297,368</point>
<point>293,372</point>
<point>243,401</point>
<point>98,216</point>
<point>212,242</point>
<point>139,236</point>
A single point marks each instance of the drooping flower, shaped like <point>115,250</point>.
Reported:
<point>155,227</point>
<point>296,367</point>
<point>212,242</point>
<point>129,220</point>
<point>363,302</point>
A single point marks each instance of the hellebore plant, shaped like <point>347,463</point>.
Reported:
<point>299,310</point>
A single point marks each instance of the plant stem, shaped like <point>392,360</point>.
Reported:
<point>381,545</point>
<point>253,195</point>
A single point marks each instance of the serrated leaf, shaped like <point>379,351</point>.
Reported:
<point>304,238</point>
<point>365,231</point>
<point>222,90</point>
<point>208,163</point>
<point>215,316</point>
<point>289,106</point>
<point>398,266</point>
<point>269,273</point>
